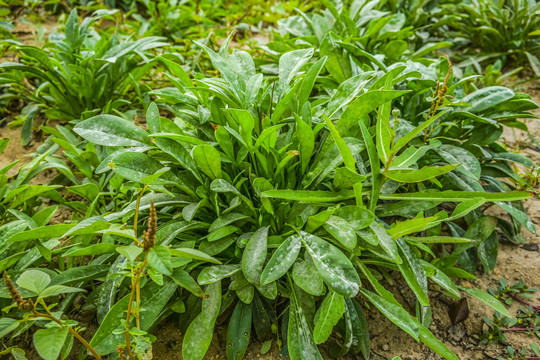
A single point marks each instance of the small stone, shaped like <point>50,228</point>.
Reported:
<point>530,247</point>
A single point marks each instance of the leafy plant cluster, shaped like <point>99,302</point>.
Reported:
<point>526,321</point>
<point>280,199</point>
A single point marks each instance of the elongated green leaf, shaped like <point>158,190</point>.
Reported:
<point>239,332</point>
<point>255,255</point>
<point>201,330</point>
<point>394,312</point>
<point>459,196</point>
<point>487,97</point>
<point>308,196</point>
<point>344,150</point>
<point>328,315</point>
<point>435,344</point>
<point>487,299</point>
<point>193,254</point>
<point>384,134</point>
<point>44,232</point>
<point>425,173</point>
<point>310,78</point>
<point>299,338</point>
<point>306,139</point>
<point>409,136</point>
<point>375,166</point>
<point>183,279</point>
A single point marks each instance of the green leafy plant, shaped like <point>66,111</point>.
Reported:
<point>510,28</point>
<point>282,191</point>
<point>526,321</point>
<point>86,73</point>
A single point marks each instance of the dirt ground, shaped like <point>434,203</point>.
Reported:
<point>514,263</point>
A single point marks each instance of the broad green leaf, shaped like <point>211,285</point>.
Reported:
<point>49,342</point>
<point>358,217</point>
<point>328,315</point>
<point>136,166</point>
<point>254,256</point>
<point>341,230</point>
<point>211,274</point>
<point>332,265</point>
<point>307,278</point>
<point>346,92</point>
<point>487,97</point>
<point>200,332</point>
<point>208,160</point>
<point>454,155</point>
<point>159,259</point>
<point>488,251</point>
<point>152,118</point>
<point>34,280</point>
<point>110,130</point>
<point>365,104</point>
<point>181,155</point>
<point>282,259</point>
<point>58,289</point>
<point>290,64</point>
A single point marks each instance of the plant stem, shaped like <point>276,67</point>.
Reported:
<point>135,287</point>
<point>515,329</point>
<point>536,308</point>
